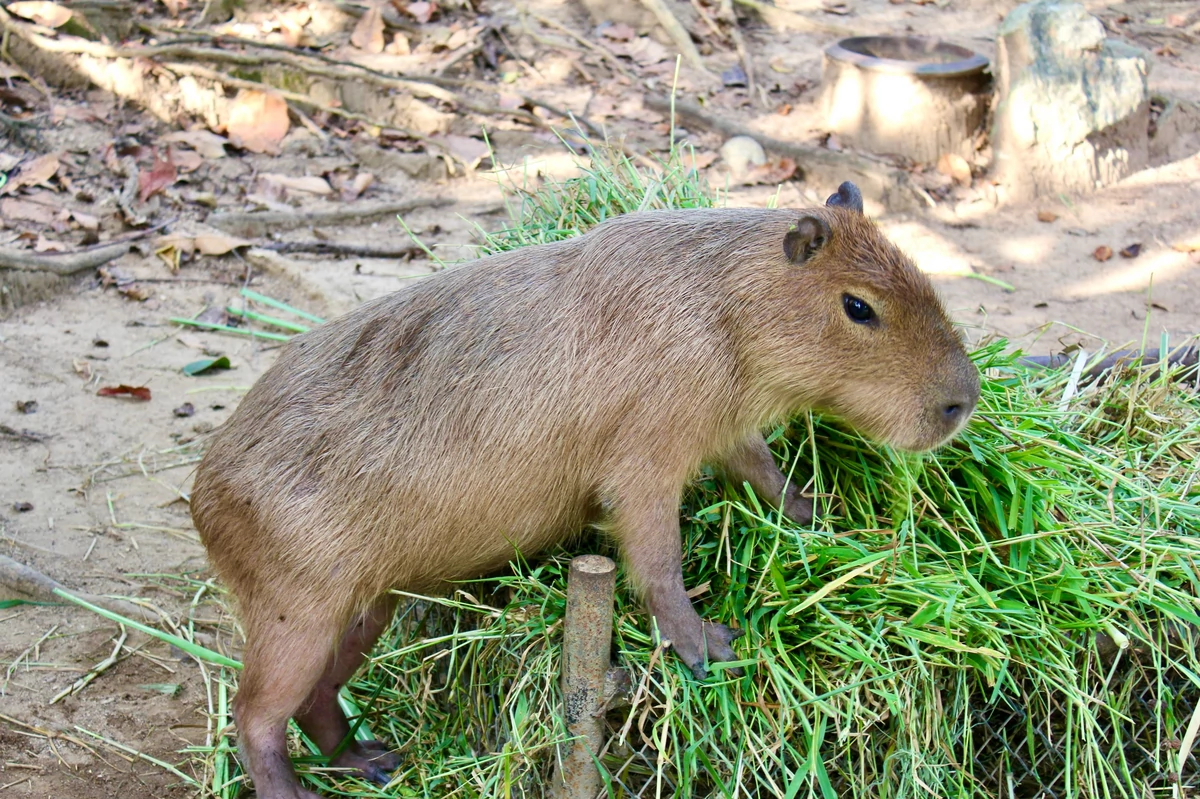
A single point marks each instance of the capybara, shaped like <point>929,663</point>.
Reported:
<point>507,403</point>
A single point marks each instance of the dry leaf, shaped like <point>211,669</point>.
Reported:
<point>162,175</point>
<point>86,221</point>
<point>12,208</point>
<point>46,245</point>
<point>956,167</point>
<point>1102,253</point>
<point>205,142</point>
<point>32,173</point>
<point>465,149</point>
<point>137,392</point>
<point>307,184</point>
<point>1047,216</point>
<point>701,159</point>
<point>258,121</point>
<point>186,160</point>
<point>135,292</point>
<point>43,12</point>
<point>400,45</point>
<point>1187,244</point>
<point>422,12</point>
<point>218,244</point>
<point>772,172</point>
<point>368,33</point>
<point>352,190</point>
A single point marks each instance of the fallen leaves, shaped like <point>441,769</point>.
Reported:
<point>368,33</point>
<point>173,247</point>
<point>161,176</point>
<point>463,148</point>
<point>42,12</point>
<point>36,172</point>
<point>206,365</point>
<point>135,392</point>
<point>955,167</point>
<point>204,142</point>
<point>126,286</point>
<point>258,121</point>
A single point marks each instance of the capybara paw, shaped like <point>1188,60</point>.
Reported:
<point>371,759</point>
<point>714,648</point>
<point>798,507</point>
<point>380,754</point>
<point>718,639</point>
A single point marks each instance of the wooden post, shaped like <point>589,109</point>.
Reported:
<point>587,636</point>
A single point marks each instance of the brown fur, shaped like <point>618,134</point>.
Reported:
<point>511,401</point>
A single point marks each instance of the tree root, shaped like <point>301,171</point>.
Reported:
<point>258,223</point>
<point>892,186</point>
<point>63,264</point>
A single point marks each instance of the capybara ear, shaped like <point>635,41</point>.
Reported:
<point>805,238</point>
<point>848,196</point>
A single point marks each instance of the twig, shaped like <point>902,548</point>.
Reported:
<point>29,581</point>
<point>332,248</point>
<point>22,435</point>
<point>259,223</point>
<point>297,97</point>
<point>603,51</point>
<point>69,263</point>
<point>783,19</point>
<point>678,34</point>
<point>727,13</point>
<point>94,671</point>
<point>62,264</point>
<point>892,186</point>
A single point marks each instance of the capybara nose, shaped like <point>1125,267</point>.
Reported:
<point>953,413</point>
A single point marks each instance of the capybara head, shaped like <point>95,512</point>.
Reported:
<point>889,359</point>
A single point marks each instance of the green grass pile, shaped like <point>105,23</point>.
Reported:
<point>1013,616</point>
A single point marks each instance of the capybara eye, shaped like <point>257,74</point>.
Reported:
<point>857,310</point>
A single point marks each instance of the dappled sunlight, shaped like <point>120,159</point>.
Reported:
<point>933,253</point>
<point>1162,268</point>
<point>1030,250</point>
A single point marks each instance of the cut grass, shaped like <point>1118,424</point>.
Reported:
<point>1013,616</point>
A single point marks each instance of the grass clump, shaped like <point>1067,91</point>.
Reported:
<point>1015,615</point>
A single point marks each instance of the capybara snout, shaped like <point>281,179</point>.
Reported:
<point>506,403</point>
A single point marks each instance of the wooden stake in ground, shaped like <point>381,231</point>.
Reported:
<point>587,636</point>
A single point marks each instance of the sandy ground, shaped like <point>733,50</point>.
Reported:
<point>102,491</point>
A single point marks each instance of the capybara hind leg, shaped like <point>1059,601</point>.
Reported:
<point>752,463</point>
<point>321,717</point>
<point>282,664</point>
<point>648,531</point>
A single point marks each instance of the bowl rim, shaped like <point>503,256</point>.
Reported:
<point>970,63</point>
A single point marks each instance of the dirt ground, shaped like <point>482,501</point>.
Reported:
<point>96,501</point>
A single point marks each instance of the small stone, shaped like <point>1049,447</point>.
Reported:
<point>1132,251</point>
<point>27,406</point>
<point>22,507</point>
<point>1102,253</point>
<point>1047,216</point>
<point>741,154</point>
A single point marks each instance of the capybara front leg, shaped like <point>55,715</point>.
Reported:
<point>321,717</point>
<point>752,463</point>
<point>648,531</point>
